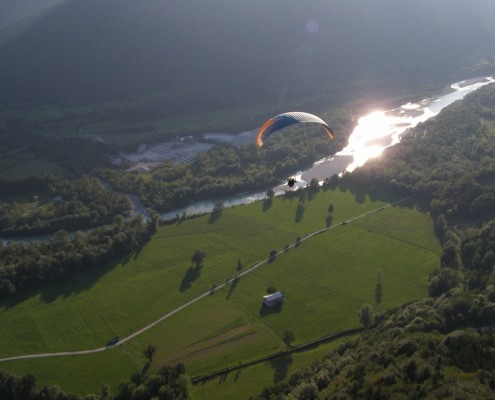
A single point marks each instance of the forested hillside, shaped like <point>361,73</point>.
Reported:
<point>86,78</point>
<point>13,10</point>
<point>210,55</point>
<point>422,351</point>
<point>444,345</point>
<point>169,383</point>
<point>448,161</point>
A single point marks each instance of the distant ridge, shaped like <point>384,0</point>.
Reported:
<point>12,11</point>
<point>218,53</point>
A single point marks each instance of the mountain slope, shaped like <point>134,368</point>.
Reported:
<point>13,10</point>
<point>16,16</point>
<point>221,53</point>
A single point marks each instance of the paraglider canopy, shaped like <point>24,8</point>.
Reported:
<point>282,120</point>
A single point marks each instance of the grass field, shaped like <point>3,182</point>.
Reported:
<point>251,380</point>
<point>326,279</point>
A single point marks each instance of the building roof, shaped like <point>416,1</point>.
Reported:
<point>274,296</point>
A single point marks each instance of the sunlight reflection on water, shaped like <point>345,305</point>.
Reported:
<point>381,129</point>
<point>373,133</point>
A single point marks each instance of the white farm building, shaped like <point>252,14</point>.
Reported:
<point>274,298</point>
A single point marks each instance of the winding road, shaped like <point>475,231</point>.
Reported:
<point>198,298</point>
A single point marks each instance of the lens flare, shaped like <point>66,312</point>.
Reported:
<point>312,27</point>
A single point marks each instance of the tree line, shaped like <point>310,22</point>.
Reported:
<point>448,165</point>
<point>169,383</point>
<point>448,162</point>
<point>28,265</point>
<point>227,169</point>
<point>77,155</point>
<point>442,346</point>
<point>415,352</point>
<point>58,203</point>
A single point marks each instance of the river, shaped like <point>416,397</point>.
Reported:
<point>373,133</point>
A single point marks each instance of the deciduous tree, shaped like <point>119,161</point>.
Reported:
<point>288,337</point>
<point>198,257</point>
<point>149,352</point>
<point>366,315</point>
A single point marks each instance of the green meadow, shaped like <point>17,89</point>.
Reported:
<point>326,279</point>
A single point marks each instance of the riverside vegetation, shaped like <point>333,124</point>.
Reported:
<point>419,341</point>
<point>71,97</point>
<point>442,346</point>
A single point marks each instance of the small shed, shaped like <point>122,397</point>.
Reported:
<point>274,298</point>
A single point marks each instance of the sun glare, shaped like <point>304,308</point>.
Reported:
<point>363,141</point>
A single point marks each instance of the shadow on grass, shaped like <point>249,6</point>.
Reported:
<point>280,367</point>
<point>378,292</point>
<point>266,310</point>
<point>312,193</point>
<point>236,377</point>
<point>68,285</point>
<point>289,195</point>
<point>358,191</point>
<point>233,285</point>
<point>267,203</point>
<point>134,254</point>
<point>145,368</point>
<point>272,256</point>
<point>215,216</point>
<point>361,190</point>
<point>223,378</point>
<point>329,221</point>
<point>192,274</point>
<point>299,213</point>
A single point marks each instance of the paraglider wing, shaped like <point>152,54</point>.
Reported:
<point>282,120</point>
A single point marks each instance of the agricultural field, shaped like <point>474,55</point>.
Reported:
<point>326,279</point>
